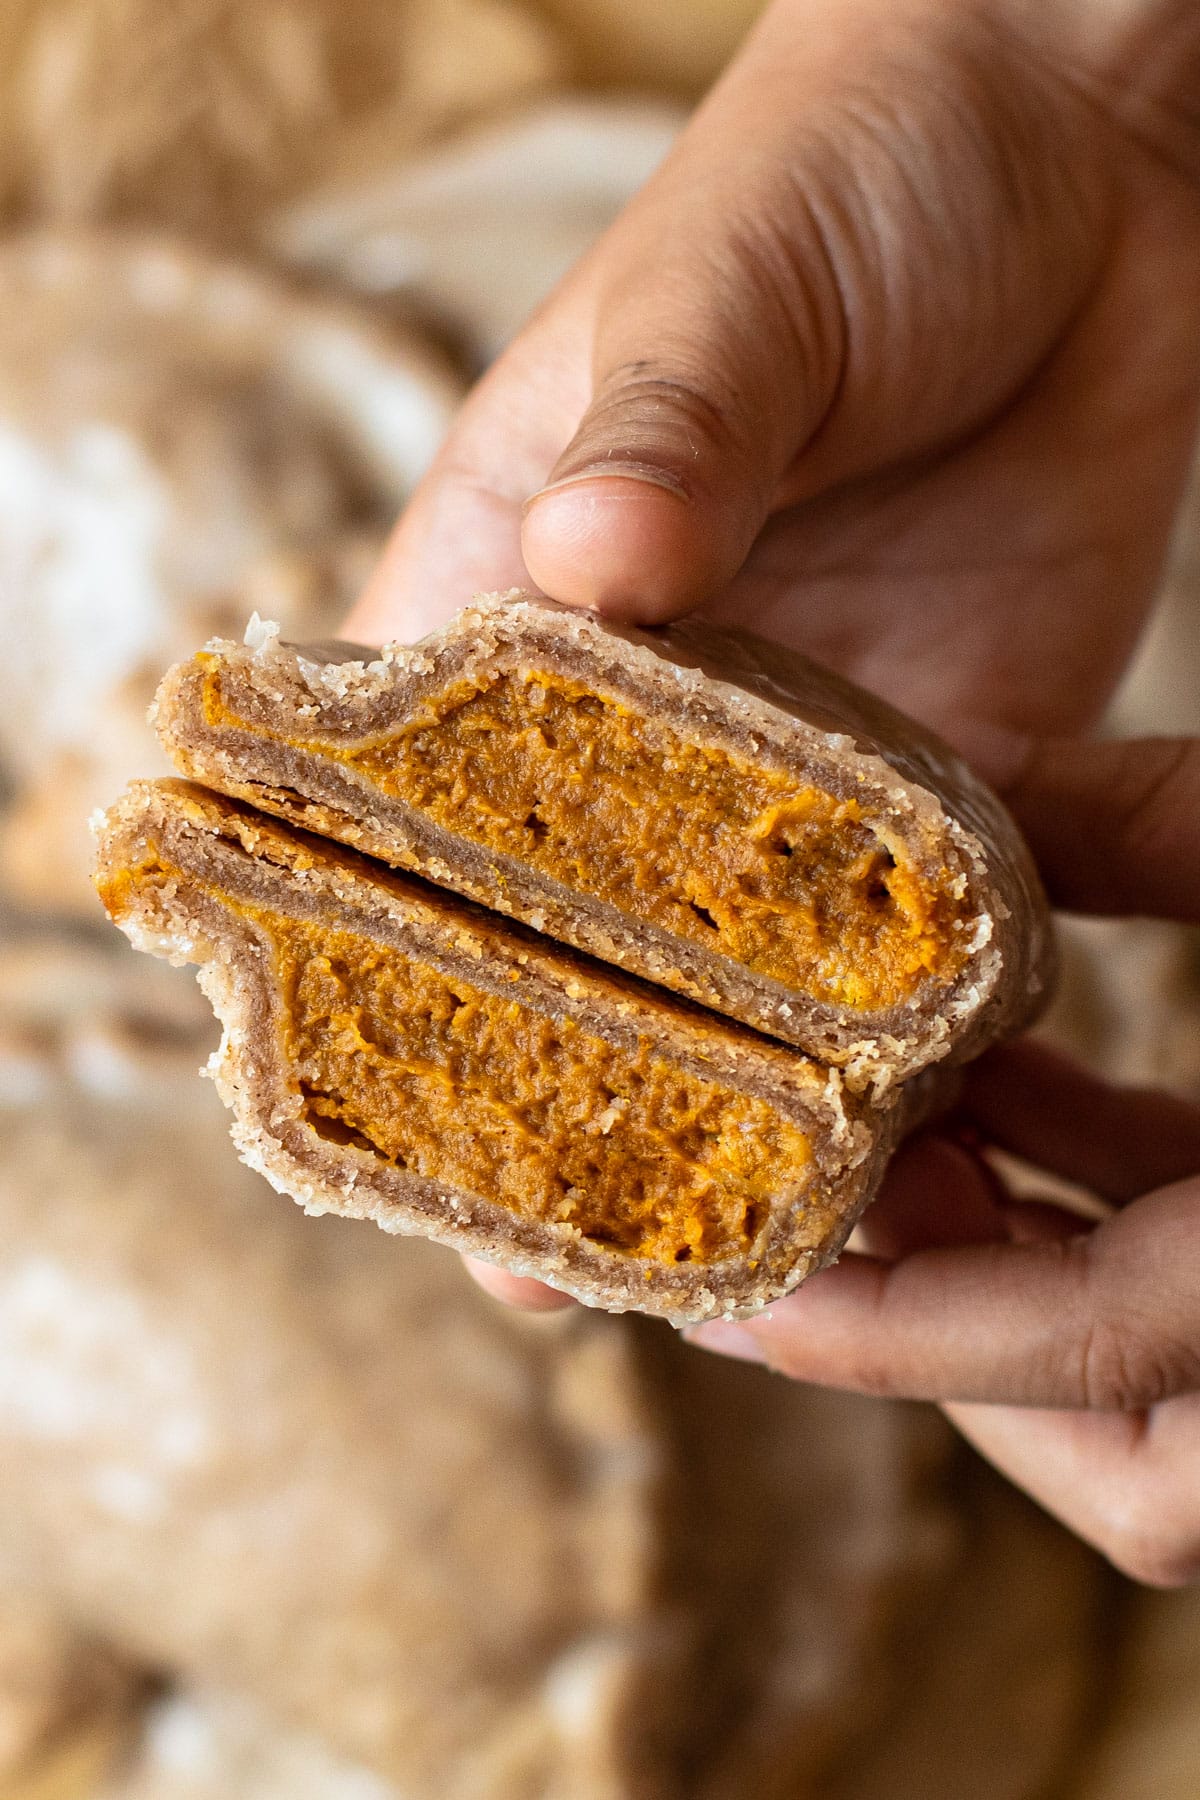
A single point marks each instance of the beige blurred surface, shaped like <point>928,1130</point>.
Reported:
<point>1149,1747</point>
<point>679,45</point>
<point>68,1707</point>
<point>372,1527</point>
<point>287,1511</point>
<point>479,229</point>
<point>198,114</point>
<point>182,439</point>
<point>1000,1688</point>
<point>297,1461</point>
<point>202,1746</point>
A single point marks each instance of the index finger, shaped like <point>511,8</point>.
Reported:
<point>1109,1319</point>
<point>1116,1141</point>
<point>1115,826</point>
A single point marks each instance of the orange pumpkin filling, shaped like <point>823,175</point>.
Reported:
<point>490,1096</point>
<point>537,1115</point>
<point>795,884</point>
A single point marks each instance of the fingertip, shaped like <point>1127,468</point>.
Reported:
<point>811,1334</point>
<point>515,1290</point>
<point>627,546</point>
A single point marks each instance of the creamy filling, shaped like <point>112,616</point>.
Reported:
<point>793,883</point>
<point>536,1115</point>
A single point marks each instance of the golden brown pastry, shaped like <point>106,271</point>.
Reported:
<point>392,1052</point>
<point>713,813</point>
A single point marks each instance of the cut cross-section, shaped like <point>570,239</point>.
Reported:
<point>535,1114</point>
<point>394,1052</point>
<point>793,882</point>
<point>782,848</point>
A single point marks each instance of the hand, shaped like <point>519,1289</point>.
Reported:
<point>1010,1313</point>
<point>894,360</point>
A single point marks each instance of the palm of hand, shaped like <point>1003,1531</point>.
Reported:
<point>1002,582</point>
<point>976,525</point>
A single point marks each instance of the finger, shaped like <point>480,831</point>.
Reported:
<point>1105,1320</point>
<point>1124,1482</point>
<point>1118,1142</point>
<point>1033,1221</point>
<point>704,343</point>
<point>1114,825</point>
<point>774,310</point>
<point>935,1194</point>
<point>716,354</point>
<point>516,1290</point>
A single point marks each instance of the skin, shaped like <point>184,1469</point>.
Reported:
<point>895,360</point>
<point>1068,1352</point>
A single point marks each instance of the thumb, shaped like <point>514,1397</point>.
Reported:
<point>828,275</point>
<point>716,345</point>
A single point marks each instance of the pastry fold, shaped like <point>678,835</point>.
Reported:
<point>393,1052</point>
<point>710,812</point>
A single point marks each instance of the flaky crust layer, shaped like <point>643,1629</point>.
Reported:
<point>225,852</point>
<point>719,689</point>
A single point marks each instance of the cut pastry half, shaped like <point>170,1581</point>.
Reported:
<point>393,1052</point>
<point>712,813</point>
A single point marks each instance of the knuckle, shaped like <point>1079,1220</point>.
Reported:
<point>1127,1365</point>
<point>1129,1355</point>
<point>679,414</point>
<point>653,385</point>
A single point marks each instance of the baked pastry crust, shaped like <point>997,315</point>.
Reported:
<point>289,716</point>
<point>189,875</point>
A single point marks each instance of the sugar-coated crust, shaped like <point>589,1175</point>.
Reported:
<point>723,689</point>
<point>221,848</point>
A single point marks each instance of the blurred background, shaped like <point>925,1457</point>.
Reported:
<point>288,1511</point>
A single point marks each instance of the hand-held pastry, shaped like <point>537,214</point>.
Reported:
<point>394,1052</point>
<point>710,812</point>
